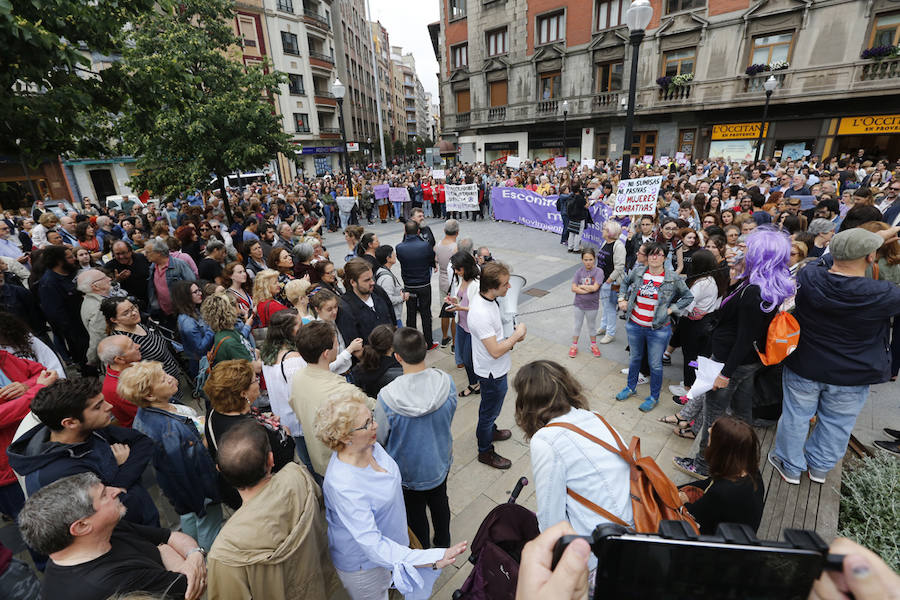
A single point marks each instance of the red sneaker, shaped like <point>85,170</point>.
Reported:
<point>573,351</point>
<point>595,350</point>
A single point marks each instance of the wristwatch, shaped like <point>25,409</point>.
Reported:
<point>195,550</point>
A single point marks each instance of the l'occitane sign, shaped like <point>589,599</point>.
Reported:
<point>871,124</point>
<point>737,131</point>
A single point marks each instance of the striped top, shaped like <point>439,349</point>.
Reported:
<point>647,299</point>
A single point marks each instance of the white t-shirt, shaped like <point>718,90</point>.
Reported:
<point>484,322</point>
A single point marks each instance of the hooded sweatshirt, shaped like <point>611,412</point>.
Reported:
<point>844,327</point>
<point>414,413</point>
<point>275,546</point>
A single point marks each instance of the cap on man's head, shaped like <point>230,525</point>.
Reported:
<point>820,226</point>
<point>854,244</point>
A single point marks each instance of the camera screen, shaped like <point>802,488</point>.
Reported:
<point>643,568</point>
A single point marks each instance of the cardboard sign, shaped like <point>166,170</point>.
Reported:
<point>590,163</point>
<point>382,191</point>
<point>663,160</point>
<point>461,197</point>
<point>513,162</point>
<point>438,173</point>
<point>648,159</point>
<point>560,162</point>
<point>679,155</point>
<point>398,194</point>
<point>637,196</point>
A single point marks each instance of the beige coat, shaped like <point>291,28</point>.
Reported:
<point>311,388</point>
<point>95,323</point>
<point>275,547</point>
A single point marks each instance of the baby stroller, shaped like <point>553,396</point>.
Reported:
<point>497,550</point>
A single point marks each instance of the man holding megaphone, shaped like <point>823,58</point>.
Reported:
<point>491,359</point>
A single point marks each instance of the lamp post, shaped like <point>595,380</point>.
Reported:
<point>339,89</point>
<point>565,108</point>
<point>770,84</point>
<point>637,17</point>
<point>369,144</point>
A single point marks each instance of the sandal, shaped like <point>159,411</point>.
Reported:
<point>673,420</point>
<point>472,389</point>
<point>685,432</point>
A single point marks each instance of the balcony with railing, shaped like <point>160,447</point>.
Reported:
<point>314,18</point>
<point>318,59</point>
<point>324,98</point>
<point>754,83</point>
<point>884,69</point>
<point>463,119</point>
<point>329,132</point>
<point>676,94</point>
<point>606,101</point>
<point>547,108</point>
<point>497,113</point>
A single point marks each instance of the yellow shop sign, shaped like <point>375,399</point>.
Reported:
<point>871,124</point>
<point>737,131</point>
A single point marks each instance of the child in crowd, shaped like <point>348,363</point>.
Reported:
<point>586,286</point>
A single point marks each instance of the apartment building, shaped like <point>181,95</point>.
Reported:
<point>508,66</point>
<point>354,61</point>
<point>381,42</point>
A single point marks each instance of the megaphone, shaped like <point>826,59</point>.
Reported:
<point>509,304</point>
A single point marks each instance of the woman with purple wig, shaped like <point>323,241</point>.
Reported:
<point>742,326</point>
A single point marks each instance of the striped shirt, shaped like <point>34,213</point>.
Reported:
<point>647,299</point>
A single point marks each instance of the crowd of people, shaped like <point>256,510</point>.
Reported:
<point>284,399</point>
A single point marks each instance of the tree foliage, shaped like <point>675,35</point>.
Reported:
<point>51,102</point>
<point>194,109</point>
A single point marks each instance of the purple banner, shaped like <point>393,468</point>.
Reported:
<point>398,194</point>
<point>381,191</point>
<point>539,212</point>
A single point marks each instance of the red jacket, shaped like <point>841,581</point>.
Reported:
<point>13,411</point>
<point>123,410</point>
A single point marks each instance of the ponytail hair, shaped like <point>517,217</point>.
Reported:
<point>380,341</point>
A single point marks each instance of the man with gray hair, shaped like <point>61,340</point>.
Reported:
<point>118,352</point>
<point>94,554</point>
<point>96,286</point>
<point>164,271</point>
<point>210,268</point>
<point>285,237</point>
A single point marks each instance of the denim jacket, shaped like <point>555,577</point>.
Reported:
<point>673,293</point>
<point>184,468</point>
<point>196,336</point>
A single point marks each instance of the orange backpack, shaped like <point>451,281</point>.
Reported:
<point>654,497</point>
<point>781,339</point>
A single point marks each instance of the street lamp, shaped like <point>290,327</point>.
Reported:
<point>770,84</point>
<point>637,17</point>
<point>369,144</point>
<point>565,128</point>
<point>339,89</point>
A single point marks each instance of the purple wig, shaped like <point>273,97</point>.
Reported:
<point>766,265</point>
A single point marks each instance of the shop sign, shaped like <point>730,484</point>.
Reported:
<point>738,131</point>
<point>870,124</point>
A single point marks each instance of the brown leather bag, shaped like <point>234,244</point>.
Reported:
<point>654,497</point>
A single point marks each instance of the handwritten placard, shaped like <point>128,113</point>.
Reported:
<point>637,196</point>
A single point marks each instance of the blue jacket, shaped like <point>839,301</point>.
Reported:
<point>416,258</point>
<point>196,336</point>
<point>184,468</point>
<point>41,462</point>
<point>178,271</point>
<point>672,293</point>
<point>414,413</point>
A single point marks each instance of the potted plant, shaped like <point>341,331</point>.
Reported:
<point>664,82</point>
<point>780,65</point>
<point>880,52</point>
<point>756,69</point>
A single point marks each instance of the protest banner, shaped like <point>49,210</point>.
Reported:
<point>398,194</point>
<point>381,191</point>
<point>513,162</point>
<point>438,173</point>
<point>637,196</point>
<point>461,197</point>
<point>588,162</point>
<point>345,203</point>
<point>560,162</point>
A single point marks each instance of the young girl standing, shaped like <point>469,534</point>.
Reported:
<point>586,286</point>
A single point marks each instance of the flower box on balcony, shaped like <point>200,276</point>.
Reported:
<point>880,52</point>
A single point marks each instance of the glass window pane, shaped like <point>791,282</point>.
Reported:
<point>687,66</point>
<point>888,20</point>
<point>885,37</point>
<point>760,56</point>
<point>671,69</point>
<point>614,13</point>
<point>615,82</point>
<point>603,15</point>
<point>780,52</point>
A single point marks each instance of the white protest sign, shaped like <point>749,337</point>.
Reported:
<point>513,162</point>
<point>590,163</point>
<point>438,173</point>
<point>663,160</point>
<point>679,155</point>
<point>345,203</point>
<point>461,197</point>
<point>637,196</point>
<point>648,159</point>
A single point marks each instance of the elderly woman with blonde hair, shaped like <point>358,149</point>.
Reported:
<point>221,314</point>
<point>296,293</point>
<point>367,533</point>
<point>184,469</point>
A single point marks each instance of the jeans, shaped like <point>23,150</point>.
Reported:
<point>398,209</point>
<point>610,305</point>
<point>345,218</point>
<point>738,395</point>
<point>438,505</point>
<point>19,582</point>
<point>464,353</point>
<point>837,407</point>
<point>895,347</point>
<point>328,220</point>
<point>303,455</point>
<point>655,341</point>
<point>420,301</point>
<point>564,238</point>
<point>493,391</point>
<point>204,529</point>
<point>426,208</point>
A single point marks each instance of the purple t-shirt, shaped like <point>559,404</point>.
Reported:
<point>584,277</point>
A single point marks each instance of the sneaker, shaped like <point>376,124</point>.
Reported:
<point>601,331</point>
<point>686,465</point>
<point>643,380</point>
<point>595,350</point>
<point>624,371</point>
<point>573,351</point>
<point>492,459</point>
<point>667,359</point>
<point>782,470</point>
<point>433,346</point>
<point>625,394</point>
<point>444,342</point>
<point>817,476</point>
<point>678,390</point>
<point>648,404</point>
<point>893,433</point>
<point>607,339</point>
<point>890,446</point>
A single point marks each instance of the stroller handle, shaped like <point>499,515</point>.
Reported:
<point>523,481</point>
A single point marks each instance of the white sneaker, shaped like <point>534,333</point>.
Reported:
<point>624,371</point>
<point>677,390</point>
<point>642,380</point>
<point>601,331</point>
<point>607,339</point>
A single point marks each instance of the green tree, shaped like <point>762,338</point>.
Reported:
<point>388,147</point>
<point>51,101</point>
<point>399,147</point>
<point>194,108</point>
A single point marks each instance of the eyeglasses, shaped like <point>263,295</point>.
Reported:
<point>100,280</point>
<point>366,425</point>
